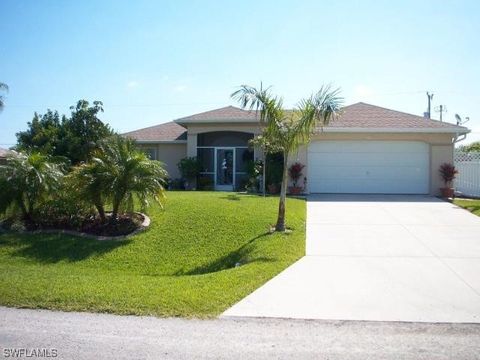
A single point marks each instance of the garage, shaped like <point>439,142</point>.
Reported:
<point>368,167</point>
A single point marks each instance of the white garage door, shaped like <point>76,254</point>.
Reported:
<point>368,167</point>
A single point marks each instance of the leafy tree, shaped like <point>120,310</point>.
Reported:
<point>83,130</point>
<point>3,87</point>
<point>43,135</point>
<point>287,130</point>
<point>28,179</point>
<point>119,172</point>
<point>473,147</point>
<point>73,137</point>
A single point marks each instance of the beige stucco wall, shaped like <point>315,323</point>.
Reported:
<point>170,154</point>
<point>439,154</point>
<point>441,149</point>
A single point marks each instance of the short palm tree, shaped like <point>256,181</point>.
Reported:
<point>3,87</point>
<point>26,180</point>
<point>288,129</point>
<point>119,172</point>
<point>89,182</point>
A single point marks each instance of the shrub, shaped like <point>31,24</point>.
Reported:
<point>274,169</point>
<point>295,172</point>
<point>26,181</point>
<point>190,168</point>
<point>448,173</point>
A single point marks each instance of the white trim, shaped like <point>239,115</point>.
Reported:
<point>161,141</point>
<point>215,121</point>
<point>392,130</point>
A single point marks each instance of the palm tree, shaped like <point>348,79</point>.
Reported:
<point>3,87</point>
<point>26,180</point>
<point>288,129</point>
<point>119,172</point>
<point>89,182</point>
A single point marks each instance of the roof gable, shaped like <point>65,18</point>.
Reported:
<point>225,114</point>
<point>166,132</point>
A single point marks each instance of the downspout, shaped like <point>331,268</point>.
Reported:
<point>458,138</point>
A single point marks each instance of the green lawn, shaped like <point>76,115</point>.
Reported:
<point>183,265</point>
<point>470,205</point>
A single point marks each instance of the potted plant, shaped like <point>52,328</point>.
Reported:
<point>295,173</point>
<point>448,173</point>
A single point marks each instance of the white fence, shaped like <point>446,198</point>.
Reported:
<point>468,177</point>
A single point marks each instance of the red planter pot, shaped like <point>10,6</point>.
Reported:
<point>447,192</point>
<point>295,190</point>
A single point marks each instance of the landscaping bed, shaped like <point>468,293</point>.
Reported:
<point>201,254</point>
<point>125,224</point>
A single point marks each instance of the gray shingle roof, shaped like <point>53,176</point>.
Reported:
<point>169,131</point>
<point>362,115</point>
<point>228,113</point>
<point>355,116</point>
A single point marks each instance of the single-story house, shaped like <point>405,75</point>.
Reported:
<point>3,155</point>
<point>367,149</point>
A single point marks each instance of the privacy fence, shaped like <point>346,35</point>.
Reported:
<point>468,179</point>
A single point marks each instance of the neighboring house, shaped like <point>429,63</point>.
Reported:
<point>367,149</point>
<point>3,155</point>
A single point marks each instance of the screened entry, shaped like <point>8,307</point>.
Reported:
<point>224,156</point>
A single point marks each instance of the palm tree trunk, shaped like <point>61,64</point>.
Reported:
<point>101,211</point>
<point>280,226</point>
<point>264,175</point>
<point>116,206</point>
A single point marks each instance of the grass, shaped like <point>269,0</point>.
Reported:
<point>183,265</point>
<point>471,205</point>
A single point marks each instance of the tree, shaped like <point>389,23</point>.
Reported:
<point>121,173</point>
<point>288,129</point>
<point>3,87</point>
<point>473,147</point>
<point>43,134</point>
<point>83,131</point>
<point>90,183</point>
<point>26,180</point>
<point>73,137</point>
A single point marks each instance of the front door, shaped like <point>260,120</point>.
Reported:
<point>225,165</point>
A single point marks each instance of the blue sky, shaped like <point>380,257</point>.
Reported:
<point>154,61</point>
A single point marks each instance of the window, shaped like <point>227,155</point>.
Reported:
<point>151,153</point>
<point>224,138</point>
<point>206,157</point>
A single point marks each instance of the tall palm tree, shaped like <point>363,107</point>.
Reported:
<point>26,180</point>
<point>3,87</point>
<point>288,129</point>
<point>119,172</point>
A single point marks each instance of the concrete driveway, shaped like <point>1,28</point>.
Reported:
<point>377,257</point>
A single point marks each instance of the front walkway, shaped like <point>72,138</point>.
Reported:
<point>386,258</point>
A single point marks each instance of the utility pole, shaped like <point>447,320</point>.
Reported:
<point>441,109</point>
<point>430,97</point>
